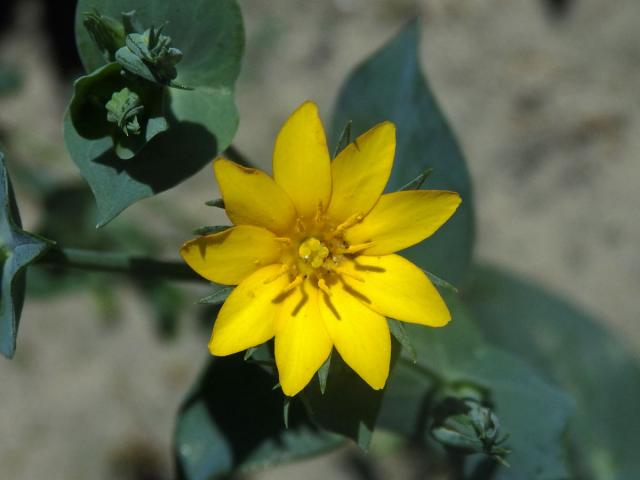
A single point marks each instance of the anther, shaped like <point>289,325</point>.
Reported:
<point>304,251</point>
<point>314,252</point>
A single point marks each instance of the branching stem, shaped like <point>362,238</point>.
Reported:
<point>116,262</point>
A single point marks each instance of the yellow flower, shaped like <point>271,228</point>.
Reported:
<point>312,253</point>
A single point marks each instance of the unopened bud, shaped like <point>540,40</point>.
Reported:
<point>468,426</point>
<point>123,110</point>
<point>107,33</point>
<point>155,50</point>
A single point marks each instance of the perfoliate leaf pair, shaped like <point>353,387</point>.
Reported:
<point>165,134</point>
<point>18,249</point>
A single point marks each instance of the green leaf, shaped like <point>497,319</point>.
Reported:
<point>440,283</point>
<point>249,353</point>
<point>344,139</point>
<point>346,404</point>
<point>576,352</point>
<point>161,165</point>
<point>390,86</point>
<point>400,334</point>
<point>216,202</point>
<point>530,410</point>
<point>219,295</point>
<point>18,249</point>
<point>210,229</point>
<point>232,422</point>
<point>323,374</point>
<point>417,182</point>
<point>203,121</point>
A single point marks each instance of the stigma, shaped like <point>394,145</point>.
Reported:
<point>313,252</point>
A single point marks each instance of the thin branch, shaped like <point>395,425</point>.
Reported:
<point>114,262</point>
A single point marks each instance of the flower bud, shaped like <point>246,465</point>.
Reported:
<point>468,426</point>
<point>123,110</point>
<point>150,55</point>
<point>107,33</point>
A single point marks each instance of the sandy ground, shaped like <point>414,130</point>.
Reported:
<point>548,113</point>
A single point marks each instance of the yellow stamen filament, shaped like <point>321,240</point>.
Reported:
<point>322,285</point>
<point>349,222</point>
<point>284,269</point>
<point>355,248</point>
<point>296,281</point>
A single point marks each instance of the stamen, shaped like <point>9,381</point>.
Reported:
<point>296,281</point>
<point>355,248</point>
<point>349,222</point>
<point>284,269</point>
<point>322,285</point>
<point>299,225</point>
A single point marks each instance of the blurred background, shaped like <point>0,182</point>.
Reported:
<point>543,95</point>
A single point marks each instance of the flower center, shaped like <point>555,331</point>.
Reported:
<point>313,252</point>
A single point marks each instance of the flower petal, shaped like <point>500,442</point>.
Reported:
<point>301,163</point>
<point>246,318</point>
<point>229,256</point>
<point>360,335</point>
<point>302,343</point>
<point>402,219</point>
<point>396,288</point>
<point>253,197</point>
<point>361,171</point>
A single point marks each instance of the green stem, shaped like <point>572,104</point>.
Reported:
<point>135,266</point>
<point>141,267</point>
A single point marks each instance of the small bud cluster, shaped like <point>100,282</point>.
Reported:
<point>468,426</point>
<point>155,50</point>
<point>123,110</point>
